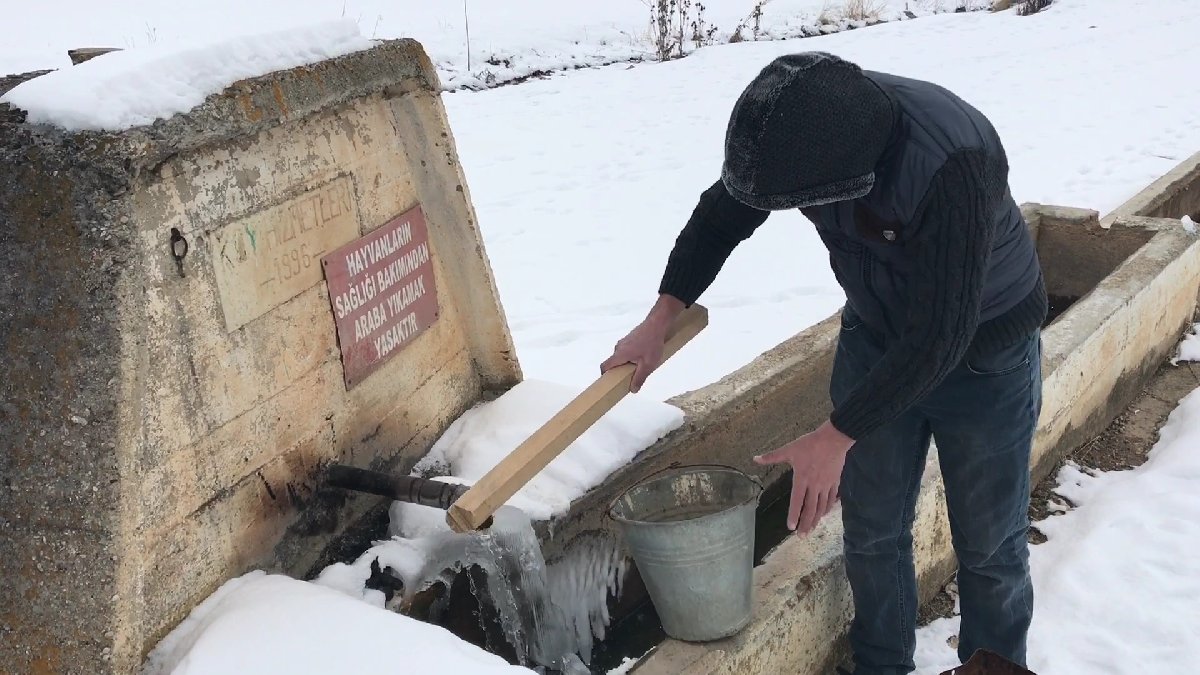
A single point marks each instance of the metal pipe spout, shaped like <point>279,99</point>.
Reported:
<point>411,489</point>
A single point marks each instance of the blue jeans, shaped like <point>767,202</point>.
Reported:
<point>982,417</point>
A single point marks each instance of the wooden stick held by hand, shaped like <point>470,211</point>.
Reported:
<point>495,488</point>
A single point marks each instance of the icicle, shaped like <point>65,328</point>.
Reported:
<point>550,614</point>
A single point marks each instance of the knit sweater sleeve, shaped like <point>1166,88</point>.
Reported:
<point>718,224</point>
<point>951,246</point>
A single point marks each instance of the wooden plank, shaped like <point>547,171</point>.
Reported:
<point>82,54</point>
<point>495,488</point>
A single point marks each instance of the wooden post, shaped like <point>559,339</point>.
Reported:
<point>82,54</point>
<point>478,504</point>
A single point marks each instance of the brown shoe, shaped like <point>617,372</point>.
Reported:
<point>983,662</point>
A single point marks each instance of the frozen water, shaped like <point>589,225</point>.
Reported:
<point>549,611</point>
<point>550,614</point>
<point>580,584</point>
<point>573,665</point>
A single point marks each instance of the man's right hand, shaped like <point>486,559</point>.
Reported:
<point>643,346</point>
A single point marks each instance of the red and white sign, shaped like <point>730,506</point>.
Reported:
<point>382,292</point>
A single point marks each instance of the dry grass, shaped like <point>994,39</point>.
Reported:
<point>829,14</point>
<point>834,11</point>
<point>862,10</point>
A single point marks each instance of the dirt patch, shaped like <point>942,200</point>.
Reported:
<point>1124,445</point>
<point>940,606</point>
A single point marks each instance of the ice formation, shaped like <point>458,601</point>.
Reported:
<point>550,613</point>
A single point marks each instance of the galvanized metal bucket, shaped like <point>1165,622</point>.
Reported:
<point>690,531</point>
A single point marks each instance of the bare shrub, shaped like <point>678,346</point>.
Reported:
<point>863,10</point>
<point>827,13</point>
<point>1027,7</point>
<point>702,33</point>
<point>673,24</point>
<point>752,24</point>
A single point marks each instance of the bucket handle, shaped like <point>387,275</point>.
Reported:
<point>678,465</point>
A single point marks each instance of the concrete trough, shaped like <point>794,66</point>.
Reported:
<point>1124,289</point>
<point>175,376</point>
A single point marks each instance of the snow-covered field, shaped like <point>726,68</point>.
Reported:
<point>582,180</point>
<point>507,40</point>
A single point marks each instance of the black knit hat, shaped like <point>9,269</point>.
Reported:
<point>808,130</point>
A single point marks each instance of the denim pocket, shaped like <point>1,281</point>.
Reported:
<point>1003,361</point>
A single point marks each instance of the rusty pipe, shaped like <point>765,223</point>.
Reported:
<point>411,489</point>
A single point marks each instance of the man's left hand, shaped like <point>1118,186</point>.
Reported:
<point>817,459</point>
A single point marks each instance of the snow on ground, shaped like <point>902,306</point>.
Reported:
<point>509,39</point>
<point>1188,224</point>
<point>1115,585</point>
<point>626,665</point>
<point>582,181</point>
<point>137,86</point>
<point>1189,348</point>
<point>270,624</point>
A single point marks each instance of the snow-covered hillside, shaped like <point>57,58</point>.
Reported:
<point>506,40</point>
<point>582,181</point>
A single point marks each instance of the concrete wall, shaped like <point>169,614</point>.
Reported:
<point>1138,278</point>
<point>1077,253</point>
<point>165,424</point>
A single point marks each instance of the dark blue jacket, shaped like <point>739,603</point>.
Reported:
<point>867,237</point>
<point>935,259</point>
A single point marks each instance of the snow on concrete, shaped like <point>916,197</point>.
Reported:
<point>271,624</point>
<point>508,40</point>
<point>582,181</point>
<point>484,435</point>
<point>626,666</point>
<point>1189,347</point>
<point>286,612</point>
<point>1116,582</point>
<point>138,86</point>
